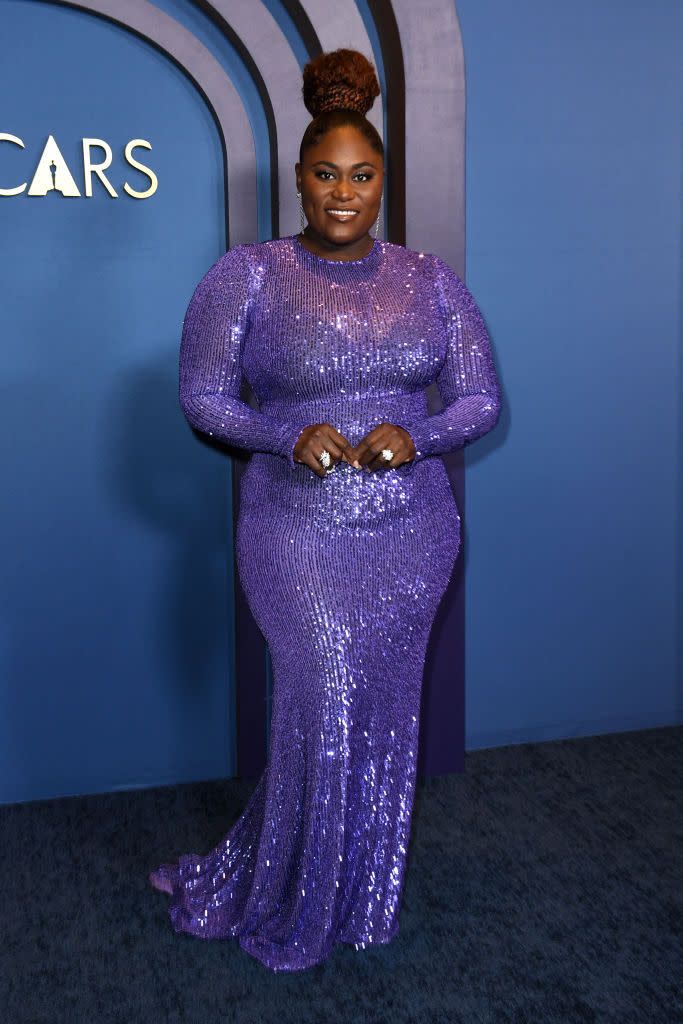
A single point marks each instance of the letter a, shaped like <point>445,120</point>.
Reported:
<point>56,178</point>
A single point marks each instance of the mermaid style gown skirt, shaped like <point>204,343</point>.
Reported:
<point>343,574</point>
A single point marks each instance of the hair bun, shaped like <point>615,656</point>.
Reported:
<point>339,80</point>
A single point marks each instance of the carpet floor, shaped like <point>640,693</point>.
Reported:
<point>544,886</point>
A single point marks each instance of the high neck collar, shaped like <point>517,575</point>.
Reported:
<point>370,258</point>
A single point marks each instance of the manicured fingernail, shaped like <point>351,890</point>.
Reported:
<point>356,463</point>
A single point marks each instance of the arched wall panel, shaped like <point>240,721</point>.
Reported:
<point>280,73</point>
<point>340,24</point>
<point>187,52</point>
<point>435,129</point>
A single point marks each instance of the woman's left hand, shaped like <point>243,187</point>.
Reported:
<point>385,435</point>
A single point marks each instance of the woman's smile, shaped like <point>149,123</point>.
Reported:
<point>341,215</point>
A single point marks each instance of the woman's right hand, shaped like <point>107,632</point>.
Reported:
<point>319,437</point>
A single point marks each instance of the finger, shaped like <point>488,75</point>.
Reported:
<point>351,456</point>
<point>328,438</point>
<point>343,445</point>
<point>380,463</point>
<point>335,454</point>
<point>365,450</point>
<point>314,464</point>
<point>336,450</point>
<point>393,443</point>
<point>370,447</point>
<point>315,448</point>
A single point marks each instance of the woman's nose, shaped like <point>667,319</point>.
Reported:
<point>343,189</point>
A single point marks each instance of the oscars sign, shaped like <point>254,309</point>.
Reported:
<point>52,173</point>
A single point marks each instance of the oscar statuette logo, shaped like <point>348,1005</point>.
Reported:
<point>52,173</point>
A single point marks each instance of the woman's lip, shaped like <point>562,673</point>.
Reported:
<point>343,217</point>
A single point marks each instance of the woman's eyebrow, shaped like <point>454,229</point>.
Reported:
<point>328,163</point>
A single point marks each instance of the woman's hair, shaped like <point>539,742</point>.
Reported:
<point>339,88</point>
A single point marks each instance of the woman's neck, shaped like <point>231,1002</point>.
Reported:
<point>321,246</point>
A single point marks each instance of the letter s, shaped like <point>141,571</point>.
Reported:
<point>140,167</point>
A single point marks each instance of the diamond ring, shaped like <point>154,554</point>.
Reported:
<point>324,458</point>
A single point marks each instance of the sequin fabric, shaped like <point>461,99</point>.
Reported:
<point>343,574</point>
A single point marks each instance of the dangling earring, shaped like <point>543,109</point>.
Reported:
<point>379,215</point>
<point>301,211</point>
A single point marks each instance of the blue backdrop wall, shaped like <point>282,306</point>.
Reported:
<point>573,182</point>
<point>572,522</point>
<point>116,524</point>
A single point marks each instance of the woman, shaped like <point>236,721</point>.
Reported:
<point>347,533</point>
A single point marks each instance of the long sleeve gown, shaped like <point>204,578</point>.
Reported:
<point>343,573</point>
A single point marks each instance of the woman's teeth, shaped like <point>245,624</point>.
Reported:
<point>345,214</point>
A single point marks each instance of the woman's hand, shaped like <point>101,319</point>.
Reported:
<point>315,439</point>
<point>385,435</point>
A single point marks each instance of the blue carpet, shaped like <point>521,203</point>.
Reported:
<point>543,887</point>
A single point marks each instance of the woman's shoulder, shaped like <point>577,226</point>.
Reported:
<point>420,259</point>
<point>254,256</point>
<point>434,274</point>
<point>241,254</point>
<point>431,270</point>
<point>232,271</point>
<point>239,261</point>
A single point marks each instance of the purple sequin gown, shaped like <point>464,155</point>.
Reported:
<point>343,574</point>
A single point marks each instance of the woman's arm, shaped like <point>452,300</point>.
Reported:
<point>211,362</point>
<point>467,382</point>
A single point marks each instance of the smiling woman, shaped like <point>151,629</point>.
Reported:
<point>340,173</point>
<point>346,540</point>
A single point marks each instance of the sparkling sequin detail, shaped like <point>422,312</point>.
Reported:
<point>343,574</point>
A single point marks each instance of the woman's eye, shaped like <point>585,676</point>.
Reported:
<point>363,175</point>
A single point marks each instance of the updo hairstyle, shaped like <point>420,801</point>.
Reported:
<point>339,88</point>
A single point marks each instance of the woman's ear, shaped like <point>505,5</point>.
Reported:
<point>297,171</point>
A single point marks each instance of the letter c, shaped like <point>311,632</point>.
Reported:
<point>4,137</point>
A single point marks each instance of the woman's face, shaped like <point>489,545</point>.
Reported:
<point>341,172</point>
